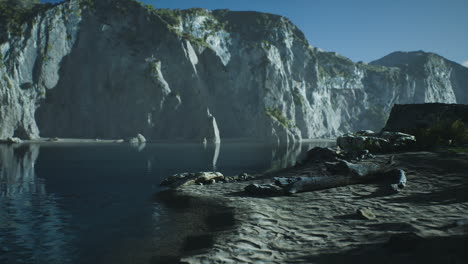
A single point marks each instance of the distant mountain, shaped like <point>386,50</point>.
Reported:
<point>432,67</point>
<point>111,69</point>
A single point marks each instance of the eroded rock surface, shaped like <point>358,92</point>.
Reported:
<point>106,69</point>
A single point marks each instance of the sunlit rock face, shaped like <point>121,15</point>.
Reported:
<point>112,69</point>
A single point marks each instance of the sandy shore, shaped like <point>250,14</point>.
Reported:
<point>418,224</point>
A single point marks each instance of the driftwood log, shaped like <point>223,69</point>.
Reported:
<point>344,173</point>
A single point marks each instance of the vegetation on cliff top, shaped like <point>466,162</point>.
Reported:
<point>15,13</point>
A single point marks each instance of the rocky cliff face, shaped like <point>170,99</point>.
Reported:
<point>111,69</point>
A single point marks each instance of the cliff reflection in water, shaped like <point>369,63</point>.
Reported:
<point>92,203</point>
<point>31,224</point>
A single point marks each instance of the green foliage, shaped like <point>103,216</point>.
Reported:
<point>196,12</point>
<point>7,81</point>
<point>443,133</point>
<point>13,15</point>
<point>277,114</point>
<point>334,65</point>
<point>171,17</point>
<point>194,40</point>
<point>214,26</point>
<point>375,68</point>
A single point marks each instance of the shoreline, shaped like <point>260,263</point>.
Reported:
<point>122,141</point>
<point>323,227</point>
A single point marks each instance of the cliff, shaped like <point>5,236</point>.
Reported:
<point>111,69</point>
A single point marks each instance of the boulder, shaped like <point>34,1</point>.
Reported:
<point>141,138</point>
<point>138,139</point>
<point>319,154</point>
<point>377,143</point>
<point>11,140</point>
<point>178,180</point>
<point>238,178</point>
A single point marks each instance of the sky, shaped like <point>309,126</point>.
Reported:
<point>363,30</point>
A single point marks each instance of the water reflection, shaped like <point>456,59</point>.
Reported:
<point>31,224</point>
<point>92,203</point>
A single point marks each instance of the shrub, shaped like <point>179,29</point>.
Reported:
<point>14,15</point>
<point>278,116</point>
<point>441,134</point>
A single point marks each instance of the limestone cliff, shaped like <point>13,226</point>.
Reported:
<point>112,69</point>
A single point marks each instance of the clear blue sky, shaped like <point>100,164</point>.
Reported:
<point>363,29</point>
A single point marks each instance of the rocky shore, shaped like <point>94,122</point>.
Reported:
<point>362,222</point>
<point>395,203</point>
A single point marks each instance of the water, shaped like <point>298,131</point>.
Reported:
<point>93,203</point>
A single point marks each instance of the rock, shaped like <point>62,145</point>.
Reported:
<point>138,139</point>
<point>201,178</point>
<point>366,213</point>
<point>366,133</point>
<point>398,177</point>
<point>357,155</point>
<point>319,154</point>
<point>133,140</point>
<point>238,178</point>
<point>263,189</point>
<point>378,143</point>
<point>163,86</point>
<point>13,140</point>
<point>141,138</point>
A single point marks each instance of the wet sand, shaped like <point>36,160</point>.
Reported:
<point>416,225</point>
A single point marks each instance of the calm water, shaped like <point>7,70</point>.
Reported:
<point>91,203</point>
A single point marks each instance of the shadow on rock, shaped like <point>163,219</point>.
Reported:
<point>400,248</point>
<point>450,195</point>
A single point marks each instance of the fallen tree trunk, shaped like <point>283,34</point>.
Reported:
<point>307,184</point>
<point>345,173</point>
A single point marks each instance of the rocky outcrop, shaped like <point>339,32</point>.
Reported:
<point>376,142</point>
<point>432,124</point>
<point>423,116</point>
<point>183,179</point>
<point>112,69</point>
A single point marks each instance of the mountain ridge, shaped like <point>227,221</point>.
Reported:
<point>111,69</point>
